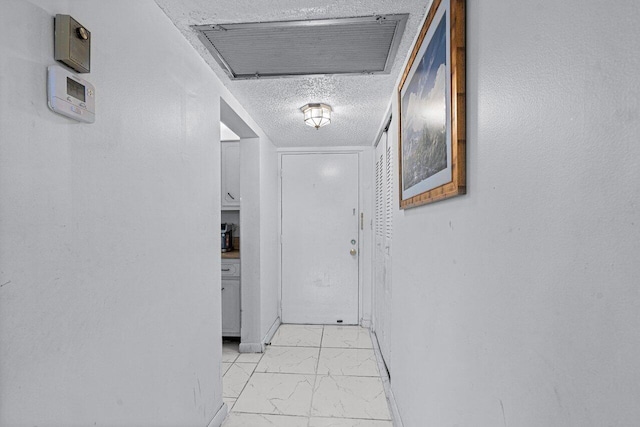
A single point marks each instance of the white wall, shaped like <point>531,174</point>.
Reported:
<point>269,239</point>
<point>259,243</point>
<point>109,256</point>
<point>517,304</point>
<point>250,252</point>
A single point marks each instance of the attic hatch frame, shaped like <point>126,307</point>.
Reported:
<point>400,21</point>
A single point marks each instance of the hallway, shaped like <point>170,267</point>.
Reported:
<point>310,376</point>
<point>515,304</point>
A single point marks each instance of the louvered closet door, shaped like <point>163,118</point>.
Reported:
<point>383,228</point>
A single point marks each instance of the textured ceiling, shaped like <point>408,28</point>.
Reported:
<point>359,102</point>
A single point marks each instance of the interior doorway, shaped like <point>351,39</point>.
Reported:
<point>236,290</point>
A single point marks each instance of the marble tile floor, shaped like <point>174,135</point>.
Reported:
<point>310,376</point>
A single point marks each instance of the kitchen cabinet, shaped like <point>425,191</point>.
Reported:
<point>230,162</point>
<point>230,297</point>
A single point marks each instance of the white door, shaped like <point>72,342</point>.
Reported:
<point>320,238</point>
<point>384,175</point>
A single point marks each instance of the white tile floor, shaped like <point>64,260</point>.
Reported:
<point>310,376</point>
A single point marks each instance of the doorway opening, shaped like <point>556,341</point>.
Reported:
<point>234,298</point>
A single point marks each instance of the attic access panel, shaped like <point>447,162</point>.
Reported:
<point>361,45</point>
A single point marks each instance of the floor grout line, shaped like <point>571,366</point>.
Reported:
<point>316,375</point>
<point>315,380</point>
<point>243,387</point>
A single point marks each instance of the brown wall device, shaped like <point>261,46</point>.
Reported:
<point>72,44</point>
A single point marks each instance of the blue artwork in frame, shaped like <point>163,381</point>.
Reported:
<point>431,126</point>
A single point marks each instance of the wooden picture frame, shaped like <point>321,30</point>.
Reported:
<point>432,104</point>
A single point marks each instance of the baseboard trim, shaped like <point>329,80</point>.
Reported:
<point>250,347</point>
<point>271,332</point>
<point>219,417</point>
<point>258,347</point>
<point>365,323</point>
<point>395,414</point>
<point>391,400</point>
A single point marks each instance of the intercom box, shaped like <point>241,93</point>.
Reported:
<point>72,44</point>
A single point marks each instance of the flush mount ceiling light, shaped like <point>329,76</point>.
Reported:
<point>317,115</point>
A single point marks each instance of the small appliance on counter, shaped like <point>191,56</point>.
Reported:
<point>226,237</point>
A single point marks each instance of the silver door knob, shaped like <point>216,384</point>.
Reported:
<point>353,251</point>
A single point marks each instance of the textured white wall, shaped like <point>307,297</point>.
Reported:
<point>109,256</point>
<point>518,303</point>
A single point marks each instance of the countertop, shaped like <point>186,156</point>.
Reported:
<point>234,254</point>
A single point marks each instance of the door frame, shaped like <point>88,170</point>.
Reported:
<point>364,235</point>
<point>250,334</point>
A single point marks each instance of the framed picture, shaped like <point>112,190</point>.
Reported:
<point>431,97</point>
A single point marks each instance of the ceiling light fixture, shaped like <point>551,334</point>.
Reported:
<point>317,115</point>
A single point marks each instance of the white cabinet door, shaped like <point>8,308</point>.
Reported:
<point>230,158</point>
<point>231,307</point>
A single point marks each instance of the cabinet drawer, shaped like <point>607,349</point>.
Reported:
<point>231,269</point>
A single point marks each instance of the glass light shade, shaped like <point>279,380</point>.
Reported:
<point>317,115</point>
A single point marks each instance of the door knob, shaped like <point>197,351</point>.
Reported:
<point>353,251</point>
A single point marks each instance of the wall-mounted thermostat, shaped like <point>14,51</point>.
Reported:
<point>69,95</point>
<point>72,44</point>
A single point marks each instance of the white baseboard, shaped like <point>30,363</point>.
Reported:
<point>258,347</point>
<point>395,415</point>
<point>219,417</point>
<point>250,347</point>
<point>272,330</point>
<point>391,400</point>
<point>365,323</point>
